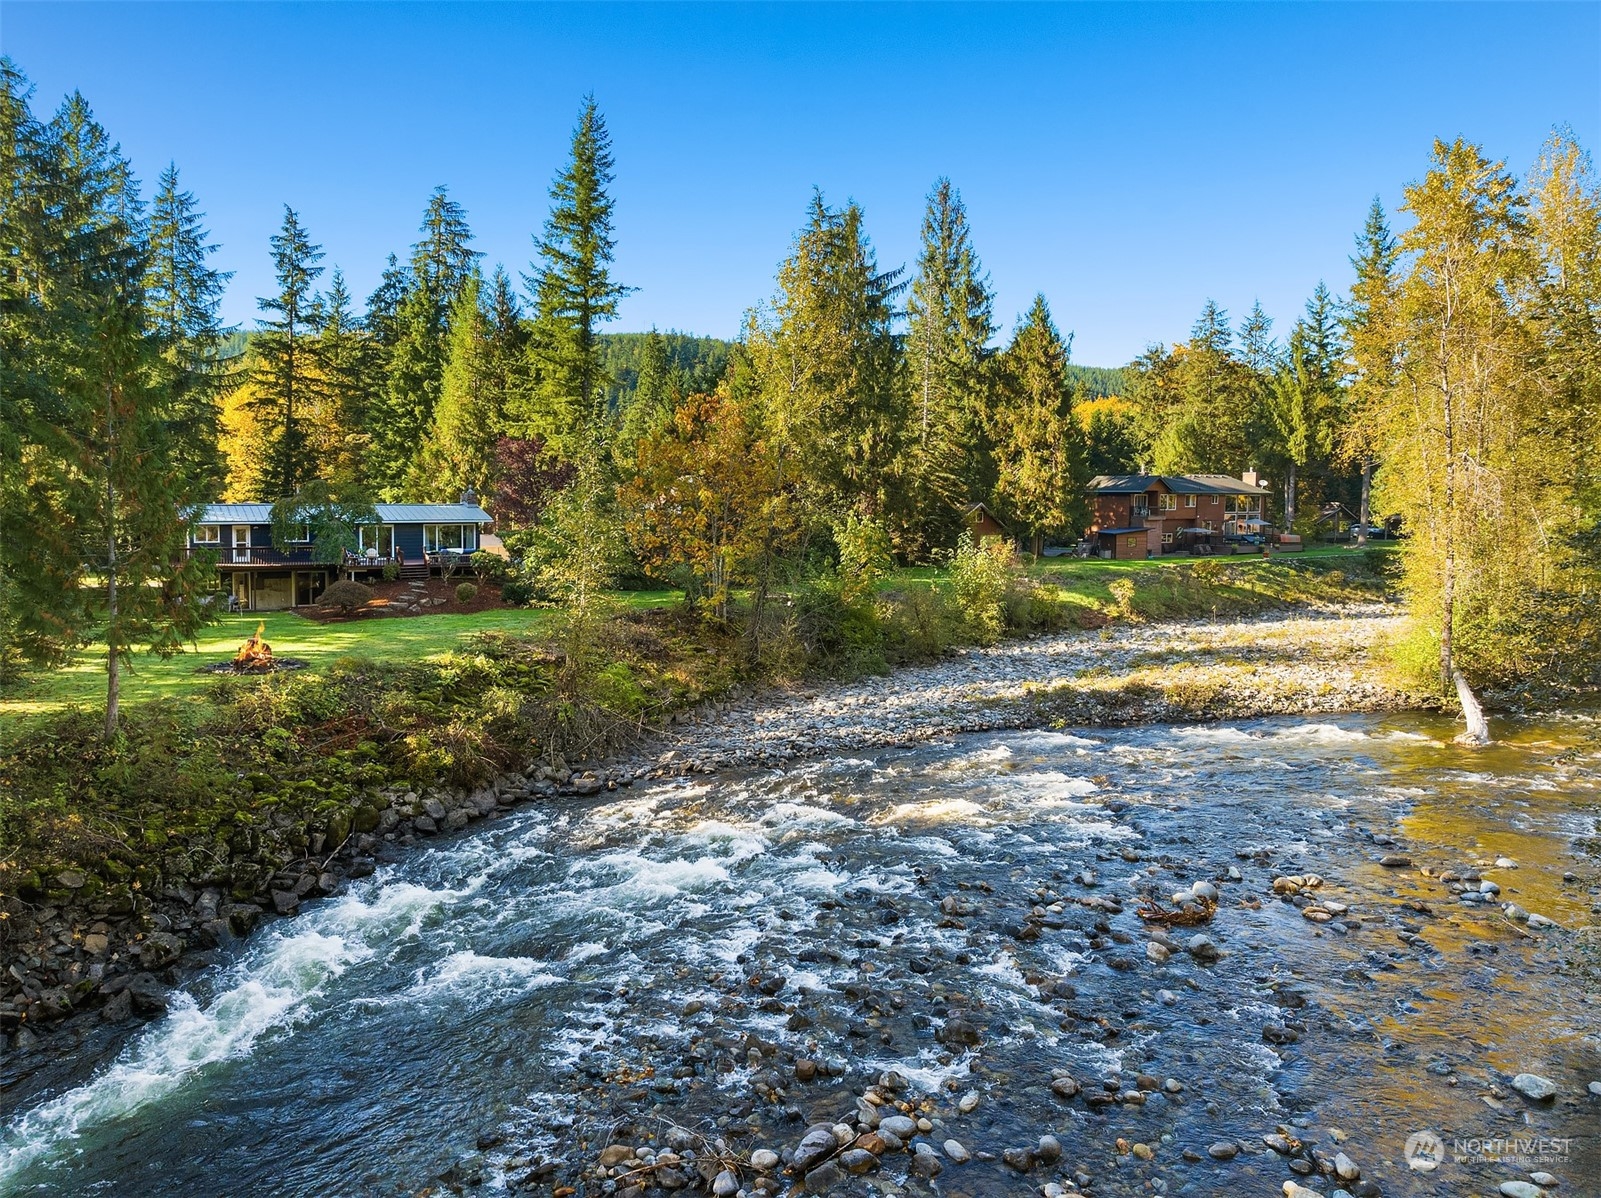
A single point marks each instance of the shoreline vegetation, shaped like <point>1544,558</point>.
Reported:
<point>248,797</point>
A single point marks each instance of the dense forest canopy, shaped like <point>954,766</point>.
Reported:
<point>863,408</point>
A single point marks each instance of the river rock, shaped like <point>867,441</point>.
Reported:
<point>954,1150</point>
<point>957,1033</point>
<point>613,1155</point>
<point>1202,948</point>
<point>1296,1190</point>
<point>96,943</point>
<point>1546,1180</point>
<point>824,1177</point>
<point>1021,1159</point>
<point>764,1159</point>
<point>1156,953</point>
<point>1223,1150</point>
<point>899,1126</point>
<point>1532,1085</point>
<point>925,1163</point>
<point>1395,860</point>
<point>285,902</point>
<point>968,1103</point>
<point>725,1184</point>
<point>1521,1189</point>
<point>1345,1168</point>
<point>805,1070</point>
<point>1049,1150</point>
<point>857,1160</point>
<point>815,1145</point>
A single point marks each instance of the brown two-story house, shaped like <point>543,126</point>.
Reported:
<point>1143,515</point>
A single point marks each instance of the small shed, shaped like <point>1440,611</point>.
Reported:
<point>1124,544</point>
<point>983,523</point>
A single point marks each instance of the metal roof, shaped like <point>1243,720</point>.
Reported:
<point>432,513</point>
<point>1179,484</point>
<point>235,513</point>
<point>1112,532</point>
<point>388,513</point>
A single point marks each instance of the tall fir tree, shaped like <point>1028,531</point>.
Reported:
<point>828,361</point>
<point>350,375</point>
<point>286,377</point>
<point>1258,350</point>
<point>950,321</point>
<point>460,452</point>
<point>1373,348</point>
<point>107,487</point>
<point>400,420</point>
<point>574,293</point>
<point>1040,449</point>
<point>182,295</point>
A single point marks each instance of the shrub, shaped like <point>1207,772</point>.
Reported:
<point>981,575</point>
<point>864,557</point>
<point>1207,571</point>
<point>490,567</point>
<point>1123,592</point>
<point>918,624</point>
<point>516,591</point>
<point>346,595</point>
<point>391,572</point>
<point>466,592</point>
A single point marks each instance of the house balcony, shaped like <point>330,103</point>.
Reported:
<point>258,555</point>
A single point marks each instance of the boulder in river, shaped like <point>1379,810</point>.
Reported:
<point>1532,1085</point>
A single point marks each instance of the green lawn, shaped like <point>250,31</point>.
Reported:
<point>410,638</point>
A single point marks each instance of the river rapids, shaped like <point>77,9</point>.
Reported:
<point>742,956</point>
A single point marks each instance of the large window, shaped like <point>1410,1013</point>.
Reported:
<point>445,537</point>
<point>1244,503</point>
<point>1167,502</point>
<point>208,534</point>
<point>380,538</point>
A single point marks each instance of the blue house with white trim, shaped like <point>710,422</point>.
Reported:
<point>419,538</point>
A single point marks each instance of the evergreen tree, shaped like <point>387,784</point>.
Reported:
<point>950,323</point>
<point>573,294</point>
<point>1258,350</point>
<point>182,294</point>
<point>286,349</point>
<point>441,263</point>
<point>1371,336</point>
<point>350,375</point>
<point>653,398</point>
<point>828,362</point>
<point>1112,448</point>
<point>1039,447</point>
<point>460,454</point>
<point>382,321</point>
<point>1300,408</point>
<point>103,483</point>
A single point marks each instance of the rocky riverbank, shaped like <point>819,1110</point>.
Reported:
<point>88,946</point>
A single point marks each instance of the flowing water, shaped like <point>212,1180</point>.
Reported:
<point>597,970</point>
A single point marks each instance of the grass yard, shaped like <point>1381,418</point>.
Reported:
<point>394,639</point>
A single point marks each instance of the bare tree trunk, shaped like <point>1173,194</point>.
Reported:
<point>1289,499</point>
<point>1478,730</point>
<point>113,663</point>
<point>1367,489</point>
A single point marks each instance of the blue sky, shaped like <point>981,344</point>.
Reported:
<point>1128,161</point>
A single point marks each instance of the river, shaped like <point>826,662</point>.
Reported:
<point>495,1008</point>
